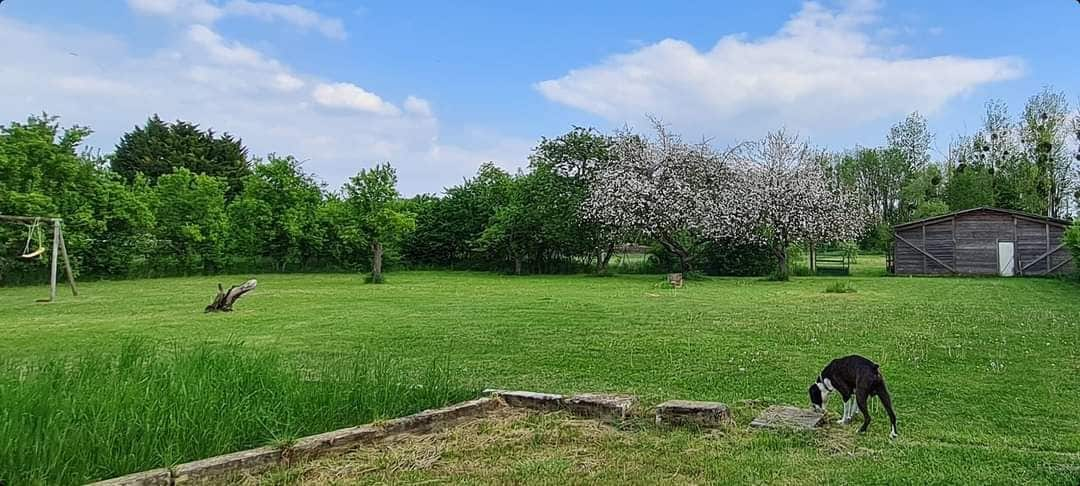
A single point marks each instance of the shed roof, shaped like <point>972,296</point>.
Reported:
<point>1057,221</point>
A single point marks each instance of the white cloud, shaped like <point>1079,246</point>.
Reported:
<point>228,53</point>
<point>208,12</point>
<point>227,86</point>
<point>287,82</point>
<point>822,70</point>
<point>352,97</point>
<point>200,11</point>
<point>294,15</point>
<point>417,106</point>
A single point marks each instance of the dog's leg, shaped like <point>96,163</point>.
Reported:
<point>886,401</point>
<point>860,399</point>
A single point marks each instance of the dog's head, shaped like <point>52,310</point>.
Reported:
<point>819,396</point>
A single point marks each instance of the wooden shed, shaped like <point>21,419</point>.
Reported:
<point>981,241</point>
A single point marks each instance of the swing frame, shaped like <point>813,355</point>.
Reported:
<point>58,249</point>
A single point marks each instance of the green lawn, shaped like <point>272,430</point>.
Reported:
<point>984,373</point>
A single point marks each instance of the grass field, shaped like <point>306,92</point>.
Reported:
<point>984,373</point>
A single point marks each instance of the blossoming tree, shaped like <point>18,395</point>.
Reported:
<point>790,199</point>
<point>665,188</point>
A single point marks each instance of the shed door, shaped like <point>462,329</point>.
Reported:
<point>1006,262</point>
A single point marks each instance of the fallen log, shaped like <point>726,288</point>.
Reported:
<point>225,299</point>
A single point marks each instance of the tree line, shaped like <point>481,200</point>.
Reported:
<point>1026,162</point>
<point>175,199</point>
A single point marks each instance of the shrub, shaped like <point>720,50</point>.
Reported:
<point>840,287</point>
<point>103,415</point>
<point>719,258</point>
<point>1072,240</point>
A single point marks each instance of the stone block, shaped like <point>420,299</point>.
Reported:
<point>603,406</point>
<point>431,419</point>
<point>779,416</point>
<point>686,412</point>
<point>338,440</point>
<point>536,401</point>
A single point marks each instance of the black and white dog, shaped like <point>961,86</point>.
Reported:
<point>852,376</point>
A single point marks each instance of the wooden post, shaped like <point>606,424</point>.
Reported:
<point>924,248</point>
<point>1048,258</point>
<point>53,255</point>
<point>67,263</point>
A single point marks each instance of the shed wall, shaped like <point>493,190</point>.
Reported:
<point>967,243</point>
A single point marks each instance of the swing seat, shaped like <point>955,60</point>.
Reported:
<point>34,253</point>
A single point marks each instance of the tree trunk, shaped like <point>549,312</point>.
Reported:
<point>780,251</point>
<point>603,258</point>
<point>224,300</point>
<point>376,261</point>
<point>676,249</point>
<point>517,265</point>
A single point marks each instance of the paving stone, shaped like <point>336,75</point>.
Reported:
<point>687,412</point>
<point>780,416</point>
<point>153,477</point>
<point>216,467</point>
<point>533,400</point>
<point>596,405</point>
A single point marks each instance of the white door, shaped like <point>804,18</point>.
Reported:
<point>1006,263</point>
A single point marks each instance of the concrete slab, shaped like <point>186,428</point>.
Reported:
<point>781,416</point>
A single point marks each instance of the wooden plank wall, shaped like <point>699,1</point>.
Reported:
<point>968,243</point>
<point>977,236</point>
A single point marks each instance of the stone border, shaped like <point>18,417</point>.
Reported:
<point>262,458</point>
<point>591,405</point>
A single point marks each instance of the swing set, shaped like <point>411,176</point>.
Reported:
<point>35,247</point>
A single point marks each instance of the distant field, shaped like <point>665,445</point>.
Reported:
<point>985,373</point>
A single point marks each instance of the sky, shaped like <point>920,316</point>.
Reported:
<point>438,88</point>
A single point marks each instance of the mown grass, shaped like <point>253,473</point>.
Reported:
<point>516,447</point>
<point>984,372</point>
<point>100,415</point>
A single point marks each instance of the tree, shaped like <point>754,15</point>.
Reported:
<point>375,212</point>
<point>275,214</point>
<point>513,232</point>
<point>971,180</point>
<point>666,189</point>
<point>792,201</point>
<point>107,226</point>
<point>911,138</point>
<point>570,164</point>
<point>192,224</point>
<point>1045,131</point>
<point>158,148</point>
<point>448,228</point>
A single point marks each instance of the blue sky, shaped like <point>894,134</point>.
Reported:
<point>437,88</point>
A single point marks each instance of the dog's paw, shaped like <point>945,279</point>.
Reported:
<point>893,435</point>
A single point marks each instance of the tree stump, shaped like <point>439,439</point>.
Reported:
<point>225,299</point>
<point>675,279</point>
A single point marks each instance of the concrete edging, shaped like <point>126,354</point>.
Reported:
<point>590,405</point>
<point>261,458</point>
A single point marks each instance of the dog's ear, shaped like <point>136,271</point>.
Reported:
<point>815,394</point>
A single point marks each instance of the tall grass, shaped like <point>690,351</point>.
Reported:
<point>103,415</point>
